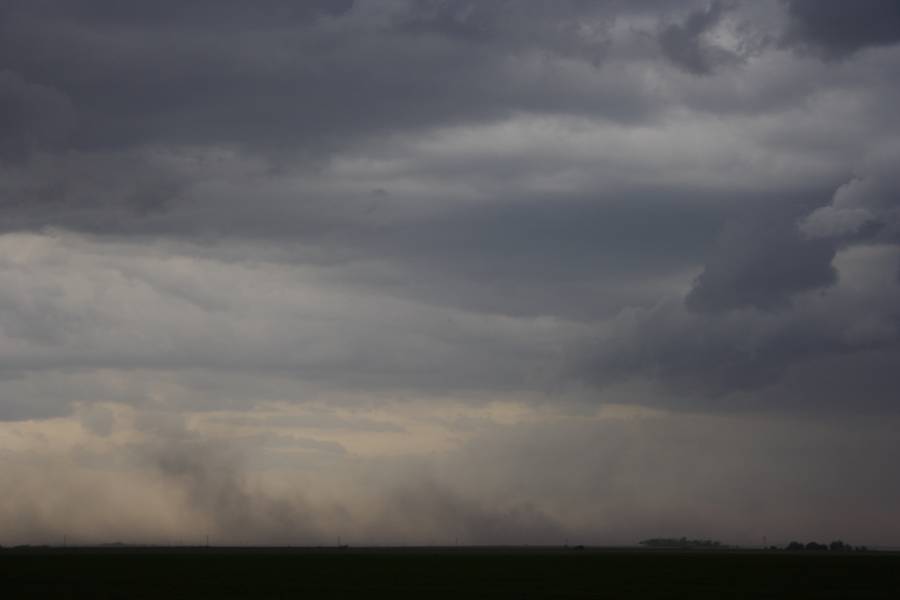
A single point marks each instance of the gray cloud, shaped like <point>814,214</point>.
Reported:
<point>797,302</point>
<point>358,158</point>
<point>837,29</point>
<point>278,83</point>
<point>682,43</point>
<point>789,360</point>
<point>197,13</point>
<point>316,420</point>
<point>34,116</point>
<point>866,208</point>
<point>762,259</point>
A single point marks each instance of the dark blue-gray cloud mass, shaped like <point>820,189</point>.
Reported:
<point>566,162</point>
<point>836,29</point>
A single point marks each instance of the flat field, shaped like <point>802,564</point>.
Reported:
<point>196,573</point>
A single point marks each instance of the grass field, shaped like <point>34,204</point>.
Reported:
<point>443,573</point>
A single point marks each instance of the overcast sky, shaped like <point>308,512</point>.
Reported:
<point>420,271</point>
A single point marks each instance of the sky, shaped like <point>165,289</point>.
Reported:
<point>447,271</point>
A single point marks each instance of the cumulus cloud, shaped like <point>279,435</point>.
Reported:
<point>763,360</point>
<point>865,208</point>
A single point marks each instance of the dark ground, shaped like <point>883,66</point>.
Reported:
<point>443,573</point>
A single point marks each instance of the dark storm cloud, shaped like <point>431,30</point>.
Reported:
<point>93,85</point>
<point>285,82</point>
<point>826,347</point>
<point>469,20</point>
<point>267,77</point>
<point>287,77</point>
<point>476,258</point>
<point>796,309</point>
<point>32,116</point>
<point>761,260</point>
<point>836,29</point>
<point>195,12</point>
<point>752,361</point>
<point>523,160</point>
<point>683,43</point>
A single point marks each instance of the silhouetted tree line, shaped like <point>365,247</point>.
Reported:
<point>683,542</point>
<point>835,546</point>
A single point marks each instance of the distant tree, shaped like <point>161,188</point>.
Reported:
<point>816,546</point>
<point>794,546</point>
<point>839,546</point>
